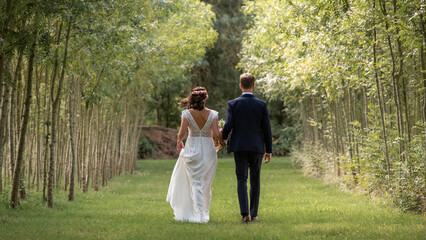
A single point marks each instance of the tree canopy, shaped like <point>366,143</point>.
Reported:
<point>85,75</point>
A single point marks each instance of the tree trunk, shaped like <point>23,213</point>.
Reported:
<point>45,133</point>
<point>365,104</point>
<point>315,118</point>
<point>324,126</point>
<point>21,192</point>
<point>405,149</point>
<point>4,36</point>
<point>72,141</point>
<point>304,120</point>
<point>37,129</point>
<point>52,145</point>
<point>395,82</point>
<point>14,200</point>
<point>423,64</point>
<point>3,125</point>
<point>381,100</point>
<point>334,131</point>
<point>89,142</point>
<point>55,110</point>
<point>14,129</point>
<point>347,107</point>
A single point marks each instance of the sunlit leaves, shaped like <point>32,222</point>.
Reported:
<point>126,45</point>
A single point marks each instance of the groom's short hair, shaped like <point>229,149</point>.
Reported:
<point>247,80</point>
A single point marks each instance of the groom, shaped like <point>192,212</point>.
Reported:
<point>248,132</point>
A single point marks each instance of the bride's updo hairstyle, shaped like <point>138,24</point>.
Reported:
<point>196,100</point>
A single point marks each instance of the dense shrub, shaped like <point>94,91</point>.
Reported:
<point>366,171</point>
<point>283,138</point>
<point>146,147</point>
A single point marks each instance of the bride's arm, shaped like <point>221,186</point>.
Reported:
<point>216,133</point>
<point>182,132</point>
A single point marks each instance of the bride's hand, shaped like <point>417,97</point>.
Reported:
<point>179,146</point>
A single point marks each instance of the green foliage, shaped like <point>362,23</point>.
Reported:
<point>146,147</point>
<point>285,132</point>
<point>409,196</point>
<point>141,49</point>
<point>332,63</point>
<point>179,41</point>
<point>284,137</point>
<point>410,182</point>
<point>216,71</point>
<point>4,198</point>
<point>106,64</point>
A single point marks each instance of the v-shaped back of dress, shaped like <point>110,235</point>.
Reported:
<point>194,130</point>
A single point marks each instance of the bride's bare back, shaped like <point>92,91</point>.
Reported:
<point>200,117</point>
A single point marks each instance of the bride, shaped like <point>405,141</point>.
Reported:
<point>190,185</point>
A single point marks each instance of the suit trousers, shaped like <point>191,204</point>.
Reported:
<point>243,162</point>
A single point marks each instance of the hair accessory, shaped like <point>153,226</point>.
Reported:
<point>199,92</point>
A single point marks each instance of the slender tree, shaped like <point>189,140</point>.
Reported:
<point>14,200</point>
<point>55,108</point>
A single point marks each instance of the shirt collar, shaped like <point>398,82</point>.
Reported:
<point>247,93</point>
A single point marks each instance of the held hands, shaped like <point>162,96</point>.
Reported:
<point>222,142</point>
<point>268,157</point>
<point>219,144</point>
<point>179,145</point>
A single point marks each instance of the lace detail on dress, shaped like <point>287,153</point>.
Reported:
<point>194,130</point>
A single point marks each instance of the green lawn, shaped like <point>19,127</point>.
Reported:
<point>133,207</point>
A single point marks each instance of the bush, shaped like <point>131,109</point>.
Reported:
<point>283,138</point>
<point>410,196</point>
<point>146,147</point>
<point>4,198</point>
<point>315,161</point>
<point>366,170</point>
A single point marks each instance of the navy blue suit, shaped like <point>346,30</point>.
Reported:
<point>248,131</point>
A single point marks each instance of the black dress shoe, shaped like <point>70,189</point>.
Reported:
<point>246,219</point>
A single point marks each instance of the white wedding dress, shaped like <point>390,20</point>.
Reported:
<point>190,186</point>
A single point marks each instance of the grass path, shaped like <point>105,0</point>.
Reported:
<point>133,207</point>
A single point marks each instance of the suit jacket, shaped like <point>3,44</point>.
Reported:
<point>247,126</point>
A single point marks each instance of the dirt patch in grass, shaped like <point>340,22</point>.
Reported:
<point>163,141</point>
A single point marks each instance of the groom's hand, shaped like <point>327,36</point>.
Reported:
<point>268,157</point>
